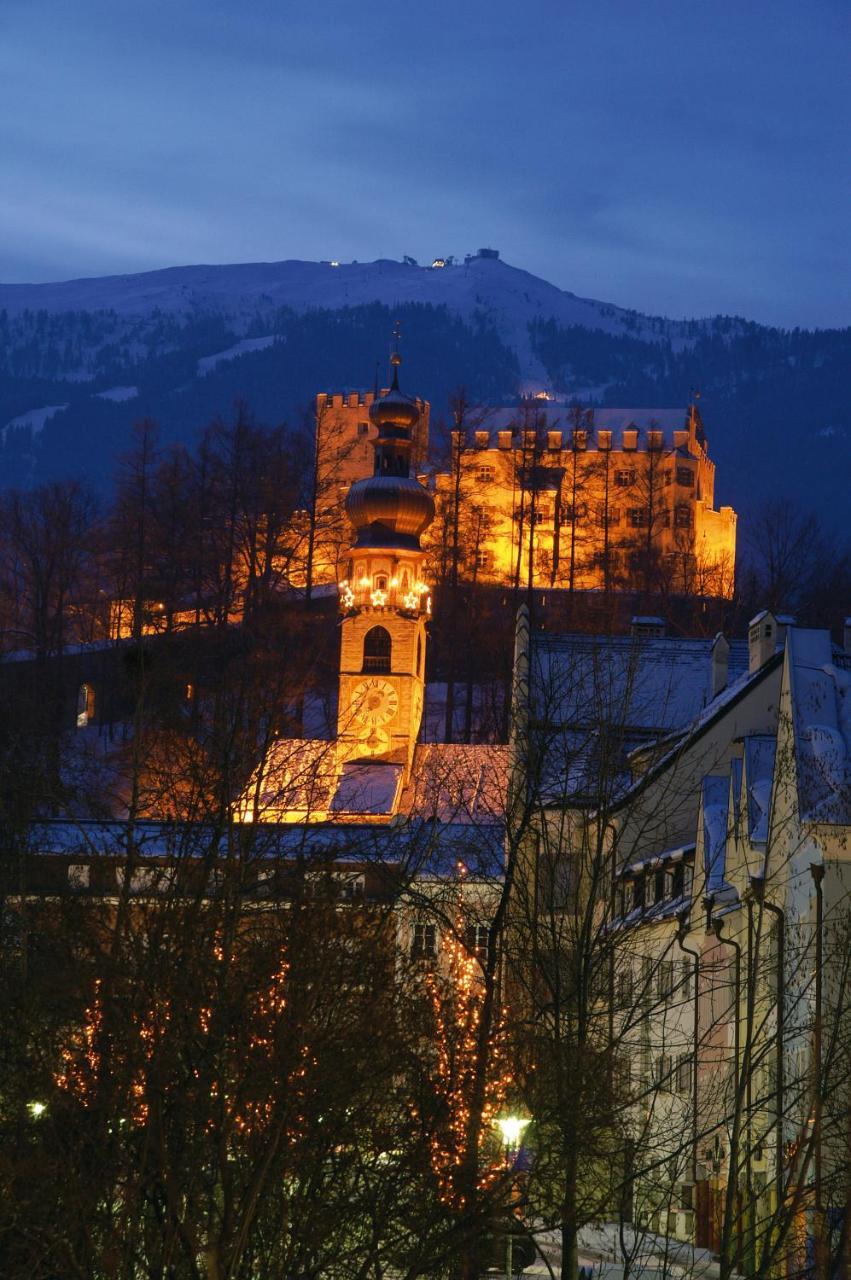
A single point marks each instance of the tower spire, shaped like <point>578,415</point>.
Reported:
<point>395,358</point>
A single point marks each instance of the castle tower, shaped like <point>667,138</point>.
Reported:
<point>384,601</point>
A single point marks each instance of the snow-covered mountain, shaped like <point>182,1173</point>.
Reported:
<point>507,296</point>
<point>80,360</point>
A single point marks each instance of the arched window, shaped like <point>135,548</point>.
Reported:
<point>381,582</point>
<point>376,650</point>
<point>85,705</point>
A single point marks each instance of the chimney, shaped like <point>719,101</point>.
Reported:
<point>766,634</point>
<point>720,664</point>
<point>647,628</point>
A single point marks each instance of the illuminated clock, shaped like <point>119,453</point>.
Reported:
<point>374,702</point>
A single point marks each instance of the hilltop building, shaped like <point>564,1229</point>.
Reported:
<point>574,499</point>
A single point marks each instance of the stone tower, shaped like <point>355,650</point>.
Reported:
<point>384,601</point>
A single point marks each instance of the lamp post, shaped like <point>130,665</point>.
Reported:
<point>511,1128</point>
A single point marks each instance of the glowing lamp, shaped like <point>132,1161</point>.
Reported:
<point>511,1129</point>
<point>36,1109</point>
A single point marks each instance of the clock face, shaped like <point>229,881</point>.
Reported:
<point>374,702</point>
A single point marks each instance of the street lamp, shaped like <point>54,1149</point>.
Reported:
<point>511,1129</point>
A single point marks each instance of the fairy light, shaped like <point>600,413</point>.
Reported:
<point>246,1092</point>
<point>458,1010</point>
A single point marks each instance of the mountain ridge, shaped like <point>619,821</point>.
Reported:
<point>81,360</point>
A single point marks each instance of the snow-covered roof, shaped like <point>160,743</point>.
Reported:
<point>652,686</point>
<point>458,783</point>
<point>820,689</point>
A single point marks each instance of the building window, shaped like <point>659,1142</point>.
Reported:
<point>484,559</point>
<point>685,981</point>
<point>623,479</point>
<point>637,517</point>
<point>570,513</point>
<point>685,477</point>
<point>663,1070</point>
<point>684,1073</point>
<point>665,979</point>
<point>424,941</point>
<point>376,650</point>
<point>363,428</point>
<point>678,880</point>
<point>608,516</point>
<point>381,582</point>
<point>85,705</point>
<point>477,941</point>
<point>682,516</point>
<point>659,886</point>
<point>638,893</point>
<point>485,475</point>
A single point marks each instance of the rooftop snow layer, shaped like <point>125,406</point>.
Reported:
<point>649,685</point>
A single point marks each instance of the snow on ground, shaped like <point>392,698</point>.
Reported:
<point>34,419</point>
<point>207,363</point>
<point>118,393</point>
<point>650,1256</point>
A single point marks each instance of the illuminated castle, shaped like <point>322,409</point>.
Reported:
<point>586,500</point>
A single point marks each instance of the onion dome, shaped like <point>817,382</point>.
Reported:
<point>394,409</point>
<point>389,511</point>
<point>391,508</point>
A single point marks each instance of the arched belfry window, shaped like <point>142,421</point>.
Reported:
<point>85,705</point>
<point>376,650</point>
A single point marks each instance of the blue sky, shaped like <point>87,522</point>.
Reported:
<point>680,157</point>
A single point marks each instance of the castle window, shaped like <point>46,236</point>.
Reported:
<point>363,428</point>
<point>376,650</point>
<point>685,477</point>
<point>85,705</point>
<point>608,516</point>
<point>484,559</point>
<point>623,479</point>
<point>637,517</point>
<point>381,582</point>
<point>682,516</point>
<point>485,475</point>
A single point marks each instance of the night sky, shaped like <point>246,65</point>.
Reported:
<point>683,158</point>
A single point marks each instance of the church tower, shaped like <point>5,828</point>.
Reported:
<point>384,601</point>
